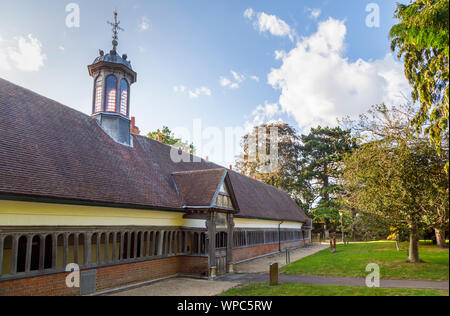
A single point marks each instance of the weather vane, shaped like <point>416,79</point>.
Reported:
<point>116,28</point>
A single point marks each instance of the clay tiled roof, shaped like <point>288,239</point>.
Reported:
<point>206,185</point>
<point>48,150</point>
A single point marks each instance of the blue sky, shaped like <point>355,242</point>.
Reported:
<point>208,60</point>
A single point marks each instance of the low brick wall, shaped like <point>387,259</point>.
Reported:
<point>131,273</point>
<point>241,254</point>
<point>107,277</point>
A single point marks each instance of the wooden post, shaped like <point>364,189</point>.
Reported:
<point>274,274</point>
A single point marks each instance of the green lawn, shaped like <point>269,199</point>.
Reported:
<point>351,261</point>
<point>261,289</point>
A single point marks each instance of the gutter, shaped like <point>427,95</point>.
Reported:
<point>279,236</point>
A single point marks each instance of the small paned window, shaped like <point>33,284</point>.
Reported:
<point>111,93</point>
<point>124,97</point>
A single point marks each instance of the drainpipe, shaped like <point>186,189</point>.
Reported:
<point>279,236</point>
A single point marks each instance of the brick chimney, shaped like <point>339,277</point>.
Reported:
<point>160,138</point>
<point>231,167</point>
<point>133,128</point>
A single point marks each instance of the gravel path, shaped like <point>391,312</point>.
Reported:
<point>261,265</point>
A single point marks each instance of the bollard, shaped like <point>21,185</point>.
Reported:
<point>274,274</point>
<point>288,256</point>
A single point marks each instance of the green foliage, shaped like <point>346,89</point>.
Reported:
<point>351,261</point>
<point>254,161</point>
<point>395,178</point>
<point>321,155</point>
<point>167,137</point>
<point>422,40</point>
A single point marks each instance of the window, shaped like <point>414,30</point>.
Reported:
<point>124,97</point>
<point>111,93</point>
<point>98,94</point>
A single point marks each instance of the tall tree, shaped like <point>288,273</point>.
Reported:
<point>421,38</point>
<point>167,137</point>
<point>281,170</point>
<point>321,155</point>
<point>394,176</point>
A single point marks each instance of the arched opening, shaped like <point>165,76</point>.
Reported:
<point>132,245</point>
<point>48,252</point>
<point>138,245</point>
<point>125,246</point>
<point>157,237</point>
<point>98,94</point>
<point>6,262</point>
<point>61,251</point>
<point>35,251</point>
<point>124,96</point>
<point>21,254</point>
<point>81,257</point>
<point>94,247</point>
<point>71,250</point>
<point>111,93</point>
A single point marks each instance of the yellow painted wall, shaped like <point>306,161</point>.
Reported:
<point>258,223</point>
<point>14,213</point>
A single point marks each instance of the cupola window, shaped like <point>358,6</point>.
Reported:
<point>124,91</point>
<point>111,93</point>
<point>98,94</point>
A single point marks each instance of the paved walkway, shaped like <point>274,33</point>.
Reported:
<point>262,265</point>
<point>179,287</point>
<point>320,280</point>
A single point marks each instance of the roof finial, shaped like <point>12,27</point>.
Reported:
<point>116,28</point>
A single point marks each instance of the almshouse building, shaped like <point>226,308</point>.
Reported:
<point>87,190</point>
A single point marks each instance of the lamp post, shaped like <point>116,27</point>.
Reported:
<point>342,226</point>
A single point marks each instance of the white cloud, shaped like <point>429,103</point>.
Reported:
<point>61,48</point>
<point>249,13</point>
<point>179,88</point>
<point>314,13</point>
<point>318,83</point>
<point>144,25</point>
<point>199,92</point>
<point>264,114</point>
<point>264,22</point>
<point>4,64</point>
<point>236,80</point>
<point>23,53</point>
<point>193,93</point>
<point>238,77</point>
<point>224,82</point>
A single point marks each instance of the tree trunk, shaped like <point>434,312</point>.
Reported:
<point>440,238</point>
<point>327,228</point>
<point>413,248</point>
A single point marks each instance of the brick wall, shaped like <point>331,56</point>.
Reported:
<point>241,254</point>
<point>126,274</point>
<point>107,277</point>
